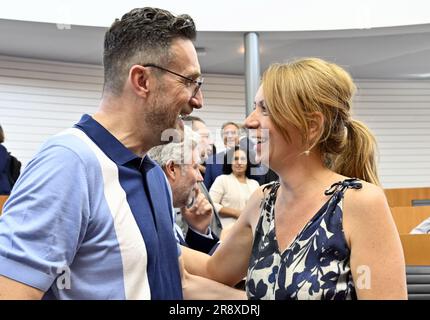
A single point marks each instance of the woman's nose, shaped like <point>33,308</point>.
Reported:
<point>251,122</point>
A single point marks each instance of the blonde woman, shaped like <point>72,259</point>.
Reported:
<point>324,231</point>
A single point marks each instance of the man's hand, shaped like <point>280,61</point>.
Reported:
<point>199,216</point>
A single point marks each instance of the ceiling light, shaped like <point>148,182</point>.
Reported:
<point>419,75</point>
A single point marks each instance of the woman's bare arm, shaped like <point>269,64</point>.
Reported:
<point>229,263</point>
<point>198,288</point>
<point>377,261</point>
<point>14,290</point>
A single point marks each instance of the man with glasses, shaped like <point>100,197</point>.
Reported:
<point>196,83</point>
<point>230,136</point>
<point>91,217</point>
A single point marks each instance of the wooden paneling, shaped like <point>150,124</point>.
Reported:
<point>407,218</point>
<point>416,248</point>
<point>403,197</point>
<point>2,201</point>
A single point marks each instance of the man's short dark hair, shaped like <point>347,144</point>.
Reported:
<point>141,36</point>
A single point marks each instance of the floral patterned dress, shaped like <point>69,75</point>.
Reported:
<point>315,266</point>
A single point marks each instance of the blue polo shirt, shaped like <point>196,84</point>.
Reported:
<point>88,219</point>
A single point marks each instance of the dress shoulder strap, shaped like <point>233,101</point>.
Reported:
<point>341,186</point>
<point>270,190</point>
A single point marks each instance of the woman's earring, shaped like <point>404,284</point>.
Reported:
<point>307,152</point>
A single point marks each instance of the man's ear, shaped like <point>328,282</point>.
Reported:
<point>170,170</point>
<point>139,80</point>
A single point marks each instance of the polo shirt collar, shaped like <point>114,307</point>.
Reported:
<point>110,145</point>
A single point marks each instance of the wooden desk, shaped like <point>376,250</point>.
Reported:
<point>403,197</point>
<point>2,201</point>
<point>416,248</point>
<point>407,218</point>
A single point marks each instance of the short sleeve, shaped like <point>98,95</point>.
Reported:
<point>45,218</point>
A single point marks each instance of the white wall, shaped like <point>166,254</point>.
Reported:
<point>237,15</point>
<point>40,98</point>
<point>398,112</point>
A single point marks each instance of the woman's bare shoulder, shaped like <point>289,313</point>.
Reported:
<point>368,197</point>
<point>366,211</point>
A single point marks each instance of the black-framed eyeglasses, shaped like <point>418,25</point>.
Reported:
<point>197,82</point>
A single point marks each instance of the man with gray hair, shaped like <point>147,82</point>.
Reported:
<point>199,127</point>
<point>180,163</point>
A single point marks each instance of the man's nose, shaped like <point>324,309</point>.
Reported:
<point>197,101</point>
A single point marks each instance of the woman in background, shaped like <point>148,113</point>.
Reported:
<point>231,190</point>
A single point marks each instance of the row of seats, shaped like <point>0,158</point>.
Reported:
<point>410,206</point>
<point>408,197</point>
<point>418,280</point>
<point>407,218</point>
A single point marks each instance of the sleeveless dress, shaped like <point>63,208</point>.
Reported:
<point>317,263</point>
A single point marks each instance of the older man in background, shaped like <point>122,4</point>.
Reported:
<point>180,164</point>
<point>214,164</point>
<point>199,126</point>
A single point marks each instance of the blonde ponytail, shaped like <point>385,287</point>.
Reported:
<point>358,157</point>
